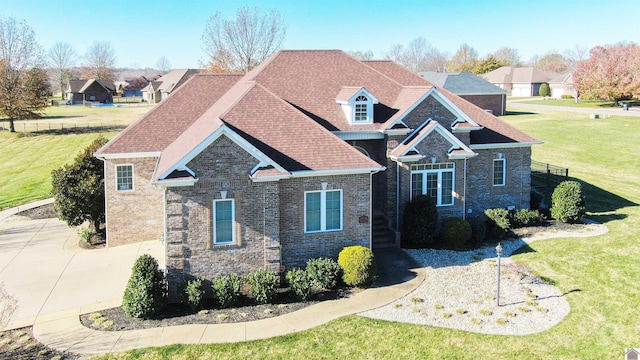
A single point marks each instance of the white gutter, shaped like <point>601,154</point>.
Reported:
<point>504,145</point>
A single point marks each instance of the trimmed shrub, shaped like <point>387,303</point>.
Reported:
<point>145,293</point>
<point>227,290</point>
<point>419,222</point>
<point>193,294</point>
<point>566,96</point>
<point>299,283</point>
<point>264,285</point>
<point>478,230</point>
<point>544,90</point>
<point>323,272</point>
<point>568,202</point>
<point>525,217</point>
<point>358,265</point>
<point>497,223</point>
<point>455,232</point>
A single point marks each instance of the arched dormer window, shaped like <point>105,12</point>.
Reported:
<point>361,109</point>
<point>357,104</point>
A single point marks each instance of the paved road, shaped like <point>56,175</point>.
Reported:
<point>44,269</point>
<point>516,106</point>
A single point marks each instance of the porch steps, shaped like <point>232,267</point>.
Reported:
<point>383,237</point>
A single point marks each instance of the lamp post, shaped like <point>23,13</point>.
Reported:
<point>499,252</point>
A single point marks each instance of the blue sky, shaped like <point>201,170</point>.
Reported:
<point>141,31</point>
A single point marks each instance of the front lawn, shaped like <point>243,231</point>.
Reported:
<point>598,275</point>
<point>596,104</point>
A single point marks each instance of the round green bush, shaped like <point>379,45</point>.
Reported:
<point>264,285</point>
<point>419,222</point>
<point>299,283</point>
<point>568,202</point>
<point>145,293</point>
<point>193,294</point>
<point>544,90</point>
<point>497,223</point>
<point>455,232</point>
<point>358,265</point>
<point>227,290</point>
<point>323,272</point>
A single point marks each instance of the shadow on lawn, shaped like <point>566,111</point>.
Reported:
<point>507,113</point>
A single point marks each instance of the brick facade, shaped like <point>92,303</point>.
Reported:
<point>127,221</point>
<point>496,103</point>
<point>298,246</point>
<point>269,218</point>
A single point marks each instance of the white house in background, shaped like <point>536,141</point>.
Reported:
<point>520,81</point>
<point>562,85</point>
<point>159,89</point>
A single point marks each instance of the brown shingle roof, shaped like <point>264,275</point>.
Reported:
<point>162,125</point>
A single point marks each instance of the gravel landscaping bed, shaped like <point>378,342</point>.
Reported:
<point>459,290</point>
<point>20,344</point>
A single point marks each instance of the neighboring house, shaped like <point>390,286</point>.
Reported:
<point>472,88</point>
<point>134,86</point>
<point>92,90</point>
<point>159,89</point>
<point>562,85</point>
<point>296,158</point>
<point>520,81</point>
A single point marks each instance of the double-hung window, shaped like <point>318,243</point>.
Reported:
<point>499,172</point>
<point>223,221</point>
<point>124,177</point>
<point>322,210</point>
<point>434,180</point>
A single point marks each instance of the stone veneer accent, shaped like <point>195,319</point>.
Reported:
<point>127,221</point>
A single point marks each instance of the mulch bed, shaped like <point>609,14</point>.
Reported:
<point>180,314</point>
<point>20,344</point>
<point>42,212</point>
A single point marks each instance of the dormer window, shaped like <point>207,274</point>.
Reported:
<point>357,104</point>
<point>361,107</point>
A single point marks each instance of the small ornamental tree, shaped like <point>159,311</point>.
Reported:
<point>568,202</point>
<point>544,90</point>
<point>145,293</point>
<point>78,188</point>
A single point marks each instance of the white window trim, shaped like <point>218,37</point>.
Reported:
<point>133,182</point>
<point>323,211</point>
<point>368,106</point>
<point>233,222</point>
<point>504,172</point>
<point>439,172</point>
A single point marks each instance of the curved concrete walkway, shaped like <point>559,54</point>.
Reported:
<point>55,282</point>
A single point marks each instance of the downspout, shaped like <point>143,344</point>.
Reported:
<point>164,230</point>
<point>397,196</point>
<point>106,203</point>
<point>464,191</point>
<point>370,210</point>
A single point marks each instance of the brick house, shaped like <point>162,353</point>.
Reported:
<point>472,88</point>
<point>299,158</point>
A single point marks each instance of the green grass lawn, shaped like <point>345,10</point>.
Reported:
<point>26,160</point>
<point>596,104</point>
<point>597,274</point>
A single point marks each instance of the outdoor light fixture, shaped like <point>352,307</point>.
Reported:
<point>499,252</point>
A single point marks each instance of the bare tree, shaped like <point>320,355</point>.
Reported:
<point>62,57</point>
<point>240,44</point>
<point>360,55</point>
<point>574,56</point>
<point>101,60</point>
<point>552,61</point>
<point>465,59</point>
<point>508,55</point>
<point>8,306</point>
<point>23,85</point>
<point>419,55</point>
<point>163,64</point>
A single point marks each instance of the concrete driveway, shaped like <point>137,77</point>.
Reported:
<point>42,266</point>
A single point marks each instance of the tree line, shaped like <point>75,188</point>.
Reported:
<point>240,43</point>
